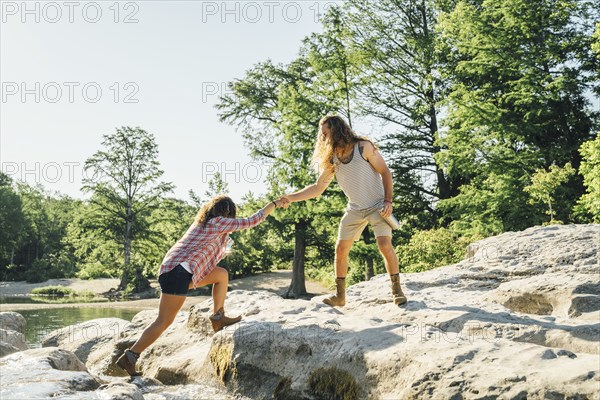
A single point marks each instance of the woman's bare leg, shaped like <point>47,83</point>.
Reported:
<point>167,311</point>
<point>219,277</point>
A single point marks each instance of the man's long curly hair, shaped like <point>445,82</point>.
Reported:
<point>341,137</point>
<point>219,206</point>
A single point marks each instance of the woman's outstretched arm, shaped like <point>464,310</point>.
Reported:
<point>236,224</point>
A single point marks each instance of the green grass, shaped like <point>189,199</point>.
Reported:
<point>58,291</point>
<point>61,294</point>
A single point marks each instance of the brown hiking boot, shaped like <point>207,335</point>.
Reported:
<point>339,298</point>
<point>220,321</point>
<point>127,363</point>
<point>399,297</point>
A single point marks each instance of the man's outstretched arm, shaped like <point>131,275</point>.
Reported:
<point>311,191</point>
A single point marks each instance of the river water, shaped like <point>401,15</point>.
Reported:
<point>41,322</point>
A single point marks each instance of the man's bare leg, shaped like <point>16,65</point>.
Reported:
<point>342,251</point>
<point>392,266</point>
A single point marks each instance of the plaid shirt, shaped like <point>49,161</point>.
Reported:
<point>203,247</point>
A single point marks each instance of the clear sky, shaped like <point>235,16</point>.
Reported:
<point>72,72</point>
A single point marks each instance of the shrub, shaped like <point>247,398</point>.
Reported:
<point>93,271</point>
<point>360,255</point>
<point>431,249</point>
<point>325,276</point>
<point>59,291</point>
<point>12,272</point>
<point>50,266</point>
<point>588,206</point>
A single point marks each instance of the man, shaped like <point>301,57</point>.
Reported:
<point>367,182</point>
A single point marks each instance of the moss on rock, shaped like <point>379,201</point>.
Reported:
<point>220,358</point>
<point>333,383</point>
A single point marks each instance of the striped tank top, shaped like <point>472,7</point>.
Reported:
<point>359,182</point>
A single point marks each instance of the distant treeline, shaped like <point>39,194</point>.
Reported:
<point>486,111</point>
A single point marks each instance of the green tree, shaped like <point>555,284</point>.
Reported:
<point>195,198</point>
<point>258,249</point>
<point>596,39</point>
<point>337,66</point>
<point>329,56</point>
<point>167,223</point>
<point>590,170</point>
<point>517,103</point>
<point>595,64</point>
<point>544,184</point>
<point>393,43</point>
<point>126,186</point>
<point>278,109</point>
<point>92,238</point>
<point>46,218</point>
<point>12,221</point>
<point>217,186</point>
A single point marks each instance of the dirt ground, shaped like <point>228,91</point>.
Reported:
<point>276,282</point>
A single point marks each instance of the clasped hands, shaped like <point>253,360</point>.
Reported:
<point>282,202</point>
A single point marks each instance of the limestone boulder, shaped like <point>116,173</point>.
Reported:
<point>12,329</point>
<point>518,318</point>
<point>12,321</point>
<point>91,341</point>
<point>44,373</point>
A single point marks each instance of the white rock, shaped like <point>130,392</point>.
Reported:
<point>12,321</point>
<point>91,341</point>
<point>14,338</point>
<point>518,319</point>
<point>43,373</point>
<point>120,391</point>
<point>12,329</point>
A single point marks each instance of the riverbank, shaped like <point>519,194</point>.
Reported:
<point>275,282</point>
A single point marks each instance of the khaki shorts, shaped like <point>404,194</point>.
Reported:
<point>354,222</point>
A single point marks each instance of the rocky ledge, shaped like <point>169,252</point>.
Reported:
<point>519,318</point>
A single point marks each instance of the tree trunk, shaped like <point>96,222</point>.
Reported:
<point>297,287</point>
<point>347,95</point>
<point>124,278</point>
<point>369,272</point>
<point>444,190</point>
<point>127,249</point>
<point>442,183</point>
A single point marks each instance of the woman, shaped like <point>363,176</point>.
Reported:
<point>192,262</point>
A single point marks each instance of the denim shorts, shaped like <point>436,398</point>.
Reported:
<point>176,281</point>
